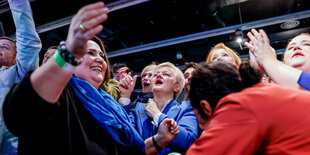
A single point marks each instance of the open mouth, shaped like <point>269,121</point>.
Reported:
<point>146,84</point>
<point>158,82</point>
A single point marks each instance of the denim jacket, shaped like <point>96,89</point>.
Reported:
<point>28,46</point>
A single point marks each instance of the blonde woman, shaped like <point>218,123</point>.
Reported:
<point>220,52</point>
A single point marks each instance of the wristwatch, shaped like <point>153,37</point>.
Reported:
<point>67,56</point>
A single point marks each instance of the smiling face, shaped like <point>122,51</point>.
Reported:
<point>297,53</point>
<point>93,68</point>
<point>222,55</point>
<point>163,81</point>
<point>7,53</point>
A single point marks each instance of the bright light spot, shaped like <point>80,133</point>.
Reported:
<point>239,40</point>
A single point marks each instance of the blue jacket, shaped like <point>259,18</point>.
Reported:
<point>183,115</point>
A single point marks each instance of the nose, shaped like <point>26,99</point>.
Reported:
<point>297,47</point>
<point>219,59</point>
<point>99,59</point>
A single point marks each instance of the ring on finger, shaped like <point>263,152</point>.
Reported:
<point>82,27</point>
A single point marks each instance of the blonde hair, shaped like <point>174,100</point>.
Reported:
<point>179,77</point>
<point>151,66</point>
<point>231,52</point>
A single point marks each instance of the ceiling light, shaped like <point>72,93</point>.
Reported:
<point>239,39</point>
<point>290,24</point>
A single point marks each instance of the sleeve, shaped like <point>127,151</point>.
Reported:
<point>188,127</point>
<point>232,130</point>
<point>28,43</point>
<point>24,110</point>
<point>304,80</point>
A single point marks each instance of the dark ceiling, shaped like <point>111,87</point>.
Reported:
<point>139,32</point>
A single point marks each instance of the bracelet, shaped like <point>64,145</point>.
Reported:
<point>156,145</point>
<point>62,63</point>
<point>67,56</point>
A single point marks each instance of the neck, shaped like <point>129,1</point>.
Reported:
<point>161,99</point>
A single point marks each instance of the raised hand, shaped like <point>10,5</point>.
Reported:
<point>126,84</point>
<point>84,26</point>
<point>260,48</point>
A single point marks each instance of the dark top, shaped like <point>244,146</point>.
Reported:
<point>65,127</point>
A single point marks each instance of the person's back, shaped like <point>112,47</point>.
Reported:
<point>269,119</point>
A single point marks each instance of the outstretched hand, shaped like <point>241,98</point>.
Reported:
<point>260,49</point>
<point>84,26</point>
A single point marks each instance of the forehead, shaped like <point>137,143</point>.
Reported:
<point>8,42</point>
<point>301,38</point>
<point>189,70</point>
<point>164,69</point>
<point>93,45</point>
<point>148,71</point>
<point>220,51</point>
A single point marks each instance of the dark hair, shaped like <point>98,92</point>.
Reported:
<point>102,47</point>
<point>52,47</point>
<point>117,66</point>
<point>190,65</point>
<point>215,80</point>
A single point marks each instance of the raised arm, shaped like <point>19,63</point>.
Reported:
<point>266,59</point>
<point>50,79</point>
<point>28,43</point>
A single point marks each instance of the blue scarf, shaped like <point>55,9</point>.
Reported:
<point>109,114</point>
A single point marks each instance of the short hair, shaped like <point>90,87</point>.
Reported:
<point>52,48</point>
<point>190,65</point>
<point>215,80</point>
<point>102,47</point>
<point>179,77</point>
<point>7,38</point>
<point>117,66</point>
<point>151,66</point>
<point>231,52</point>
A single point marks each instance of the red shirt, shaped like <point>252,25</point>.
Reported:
<point>263,119</point>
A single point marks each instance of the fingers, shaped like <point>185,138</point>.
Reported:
<point>249,45</point>
<point>92,6</point>
<point>264,36</point>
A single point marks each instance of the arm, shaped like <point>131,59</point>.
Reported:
<point>50,79</point>
<point>28,43</point>
<point>266,59</point>
<point>167,131</point>
<point>241,134</point>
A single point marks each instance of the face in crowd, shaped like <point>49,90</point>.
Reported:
<point>220,52</point>
<point>167,80</point>
<point>297,53</point>
<point>7,52</point>
<point>146,78</point>
<point>94,66</point>
<point>49,53</point>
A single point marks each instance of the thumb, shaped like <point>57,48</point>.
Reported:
<point>134,79</point>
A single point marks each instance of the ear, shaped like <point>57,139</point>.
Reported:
<point>206,108</point>
<point>177,87</point>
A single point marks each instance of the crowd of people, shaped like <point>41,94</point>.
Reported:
<point>72,105</point>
